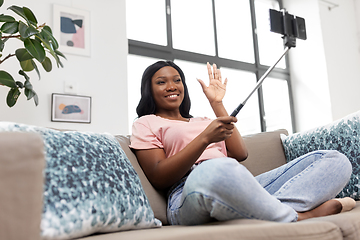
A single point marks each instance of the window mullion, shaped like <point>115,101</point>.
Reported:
<point>169,28</point>
<point>215,29</point>
<point>257,65</point>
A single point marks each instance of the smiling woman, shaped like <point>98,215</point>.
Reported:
<point>167,90</point>
<point>196,159</point>
<point>153,80</point>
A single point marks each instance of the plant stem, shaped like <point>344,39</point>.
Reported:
<point>12,36</point>
<point>8,56</point>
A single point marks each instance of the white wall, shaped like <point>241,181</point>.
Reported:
<point>101,76</point>
<point>341,44</point>
<point>325,68</point>
<point>308,69</point>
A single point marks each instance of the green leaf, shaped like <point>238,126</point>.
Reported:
<point>27,65</point>
<point>52,52</point>
<point>7,80</point>
<point>28,85</point>
<point>50,38</point>
<point>1,2</point>
<point>47,64</point>
<point>43,38</point>
<point>19,84</point>
<point>10,27</point>
<point>30,93</point>
<point>47,28</point>
<point>36,68</point>
<point>19,11</point>
<point>30,16</point>
<point>22,54</point>
<point>58,62</point>
<point>26,31</point>
<point>21,72</point>
<point>36,99</point>
<point>12,96</point>
<point>35,49</point>
<point>6,18</point>
<point>60,54</point>
<point>2,45</point>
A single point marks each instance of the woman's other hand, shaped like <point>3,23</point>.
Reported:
<point>215,92</point>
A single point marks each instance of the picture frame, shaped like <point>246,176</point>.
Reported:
<point>70,108</point>
<point>71,27</point>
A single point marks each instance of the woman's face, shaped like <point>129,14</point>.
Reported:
<point>167,89</point>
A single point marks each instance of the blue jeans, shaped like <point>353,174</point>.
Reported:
<point>223,189</point>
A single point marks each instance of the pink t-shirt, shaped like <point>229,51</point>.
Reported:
<point>152,131</point>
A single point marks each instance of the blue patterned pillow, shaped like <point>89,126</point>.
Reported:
<point>90,185</point>
<point>342,135</point>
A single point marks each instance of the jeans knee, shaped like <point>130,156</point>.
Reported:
<point>341,162</point>
<point>211,175</point>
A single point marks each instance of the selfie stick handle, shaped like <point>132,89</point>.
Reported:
<point>237,110</point>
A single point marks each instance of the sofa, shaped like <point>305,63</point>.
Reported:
<point>22,162</point>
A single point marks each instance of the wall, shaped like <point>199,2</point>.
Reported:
<point>324,68</point>
<point>101,76</point>
<point>341,44</point>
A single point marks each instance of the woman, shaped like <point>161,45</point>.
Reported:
<point>197,159</point>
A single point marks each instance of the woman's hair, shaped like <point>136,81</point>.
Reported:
<point>147,104</point>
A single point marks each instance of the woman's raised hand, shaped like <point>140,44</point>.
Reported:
<point>215,92</point>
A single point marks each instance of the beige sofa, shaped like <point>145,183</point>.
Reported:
<point>22,162</point>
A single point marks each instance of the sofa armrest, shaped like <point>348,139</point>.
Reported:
<point>21,185</point>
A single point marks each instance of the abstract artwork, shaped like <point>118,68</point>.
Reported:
<point>72,29</point>
<point>70,108</point>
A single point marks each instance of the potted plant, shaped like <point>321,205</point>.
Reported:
<point>38,42</point>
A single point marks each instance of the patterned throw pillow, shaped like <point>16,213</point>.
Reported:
<point>90,185</point>
<point>342,135</point>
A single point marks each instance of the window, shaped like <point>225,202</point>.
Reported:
<point>192,27</point>
<point>231,33</point>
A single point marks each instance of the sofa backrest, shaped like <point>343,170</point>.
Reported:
<point>265,153</point>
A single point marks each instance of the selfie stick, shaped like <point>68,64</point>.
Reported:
<point>291,27</point>
<point>237,110</point>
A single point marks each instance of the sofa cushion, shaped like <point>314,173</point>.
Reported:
<point>90,185</point>
<point>156,198</point>
<point>348,222</point>
<point>234,230</point>
<point>265,151</point>
<point>342,135</point>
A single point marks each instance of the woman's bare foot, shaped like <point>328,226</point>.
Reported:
<point>327,208</point>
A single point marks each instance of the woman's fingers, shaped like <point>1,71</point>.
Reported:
<point>216,76</point>
<point>211,76</point>
<point>214,72</point>
<point>203,85</point>
<point>219,75</point>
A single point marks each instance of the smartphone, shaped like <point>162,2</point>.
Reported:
<point>286,24</point>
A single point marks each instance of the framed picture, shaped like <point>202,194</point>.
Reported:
<point>71,27</point>
<point>70,108</point>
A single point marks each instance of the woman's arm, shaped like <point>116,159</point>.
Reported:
<point>163,172</point>
<point>215,92</point>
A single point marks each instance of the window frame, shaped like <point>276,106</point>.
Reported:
<point>169,53</point>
